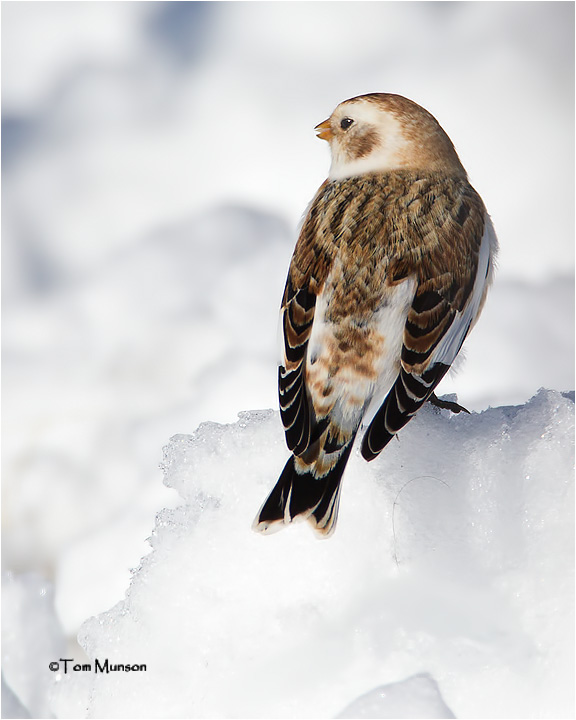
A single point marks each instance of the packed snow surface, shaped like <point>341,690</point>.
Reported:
<point>452,558</point>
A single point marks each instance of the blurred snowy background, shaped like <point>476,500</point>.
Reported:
<point>156,160</point>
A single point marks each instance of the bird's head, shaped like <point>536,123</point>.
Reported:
<point>380,132</point>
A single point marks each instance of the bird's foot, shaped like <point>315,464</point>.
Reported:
<point>447,404</point>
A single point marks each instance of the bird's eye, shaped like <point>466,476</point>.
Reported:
<point>346,122</point>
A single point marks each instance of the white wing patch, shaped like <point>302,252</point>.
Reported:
<point>448,347</point>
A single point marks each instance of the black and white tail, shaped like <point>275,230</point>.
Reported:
<point>302,495</point>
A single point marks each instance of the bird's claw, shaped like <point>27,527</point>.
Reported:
<point>447,404</point>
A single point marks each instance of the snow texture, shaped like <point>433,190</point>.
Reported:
<point>453,557</point>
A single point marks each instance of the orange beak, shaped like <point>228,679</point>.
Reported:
<point>324,131</point>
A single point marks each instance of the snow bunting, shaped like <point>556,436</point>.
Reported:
<point>389,275</point>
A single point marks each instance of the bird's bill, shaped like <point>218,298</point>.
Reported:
<point>324,130</point>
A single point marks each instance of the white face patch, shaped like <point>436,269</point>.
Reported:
<point>386,155</point>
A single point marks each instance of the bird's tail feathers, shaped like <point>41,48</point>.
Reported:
<point>302,496</point>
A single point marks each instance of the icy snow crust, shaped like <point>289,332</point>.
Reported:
<point>449,581</point>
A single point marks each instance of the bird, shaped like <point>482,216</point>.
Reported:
<point>389,274</point>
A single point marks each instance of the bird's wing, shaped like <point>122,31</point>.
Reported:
<point>308,270</point>
<point>445,307</point>
<point>297,316</point>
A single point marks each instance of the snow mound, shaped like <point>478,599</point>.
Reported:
<point>31,639</point>
<point>417,697</point>
<point>11,705</point>
<point>453,557</point>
